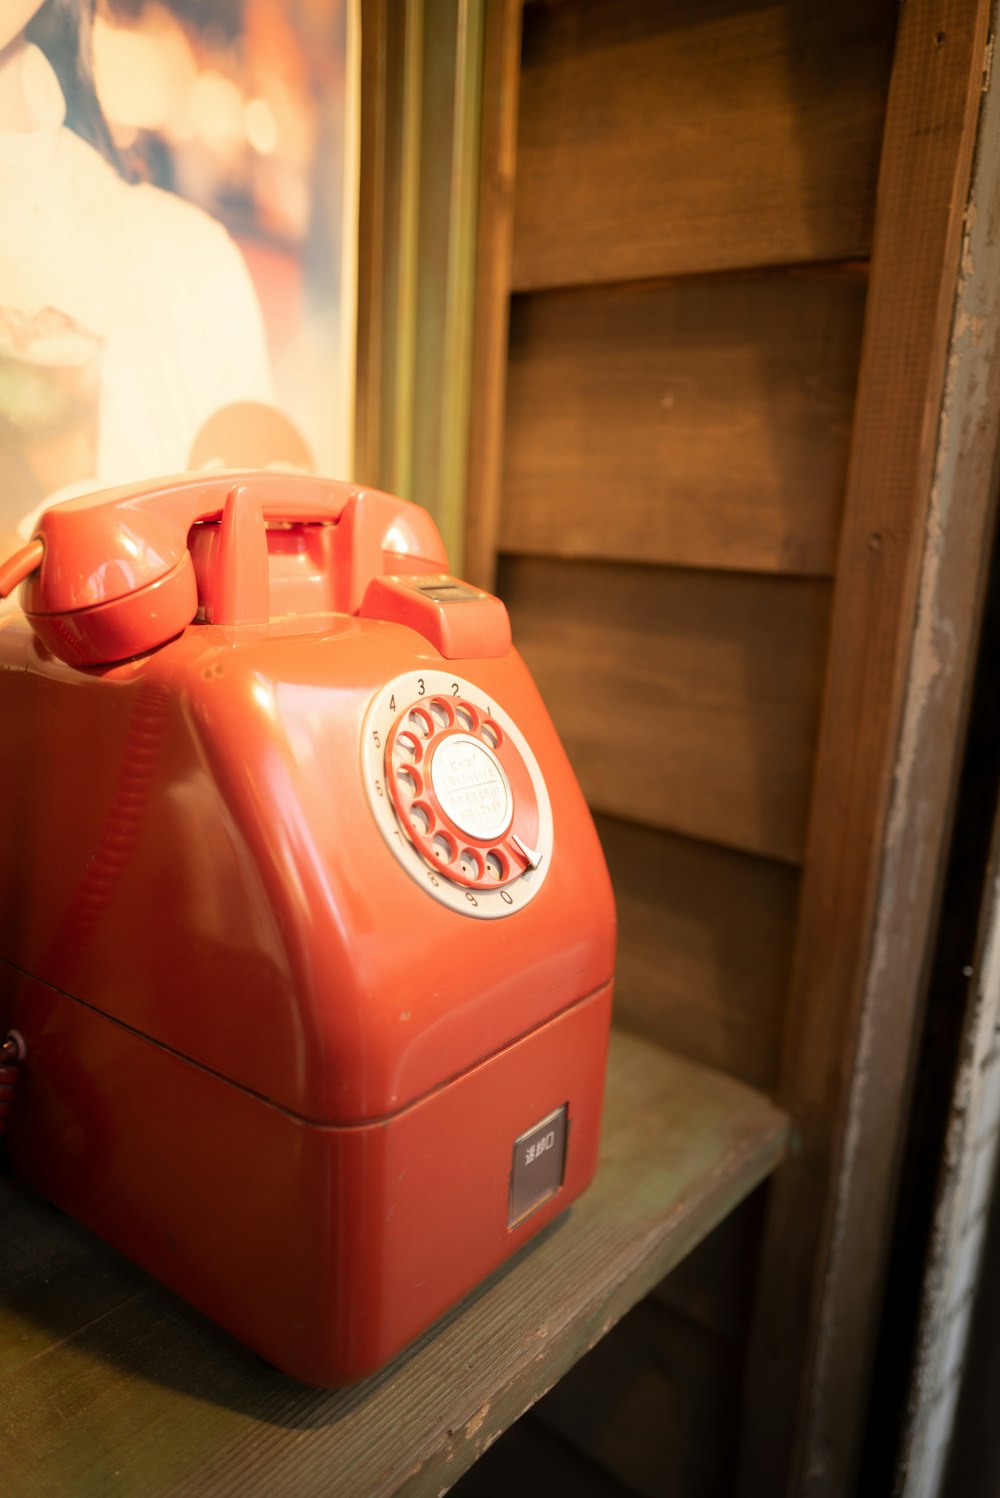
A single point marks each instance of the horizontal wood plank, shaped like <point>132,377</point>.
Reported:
<point>660,1362</point>
<point>714,1286</point>
<point>704,423</point>
<point>656,138</point>
<point>148,1397</point>
<point>686,700</point>
<point>606,1416</point>
<point>704,948</point>
<point>534,1462</point>
<point>656,1403</point>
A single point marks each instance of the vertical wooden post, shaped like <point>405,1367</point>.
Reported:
<point>906,609</point>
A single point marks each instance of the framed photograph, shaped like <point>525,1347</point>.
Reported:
<point>177,269</point>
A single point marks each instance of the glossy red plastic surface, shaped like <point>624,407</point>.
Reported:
<point>327,1250</point>
<point>258,1050</point>
<point>196,818</point>
<point>106,549</point>
<point>478,626</point>
<point>128,624</point>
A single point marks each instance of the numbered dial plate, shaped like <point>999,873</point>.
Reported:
<point>457,793</point>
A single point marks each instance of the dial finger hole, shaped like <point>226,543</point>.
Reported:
<point>467,718</point>
<point>471,863</point>
<point>407,748</point>
<point>490,733</point>
<point>442,847</point>
<point>420,722</point>
<point>495,865</point>
<point>409,781</point>
<point>441,712</point>
<point>420,818</point>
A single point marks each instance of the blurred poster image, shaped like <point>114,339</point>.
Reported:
<point>172,199</point>
<point>50,382</point>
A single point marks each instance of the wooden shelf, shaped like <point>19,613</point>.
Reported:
<point>108,1383</point>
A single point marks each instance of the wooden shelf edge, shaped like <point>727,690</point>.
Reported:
<point>151,1395</point>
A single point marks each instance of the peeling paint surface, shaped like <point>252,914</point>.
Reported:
<point>970,1149</point>
<point>959,1229</point>
<point>476,1421</point>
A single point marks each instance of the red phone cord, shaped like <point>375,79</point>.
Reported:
<point>10,1055</point>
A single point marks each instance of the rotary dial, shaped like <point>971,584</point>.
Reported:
<point>458,793</point>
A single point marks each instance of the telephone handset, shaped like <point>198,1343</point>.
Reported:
<point>115,574</point>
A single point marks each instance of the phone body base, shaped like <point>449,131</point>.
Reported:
<point>325,1249</point>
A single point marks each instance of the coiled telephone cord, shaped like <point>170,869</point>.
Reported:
<point>11,1055</point>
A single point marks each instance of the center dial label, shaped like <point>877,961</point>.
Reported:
<point>471,787</point>
<point>457,793</point>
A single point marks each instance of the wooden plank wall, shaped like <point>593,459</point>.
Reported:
<point>692,215</point>
<point>692,221</point>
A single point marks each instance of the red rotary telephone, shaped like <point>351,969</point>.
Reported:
<point>309,940</point>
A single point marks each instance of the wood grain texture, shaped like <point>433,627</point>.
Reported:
<point>642,1401</point>
<point>920,493</point>
<point>534,1462</point>
<point>658,138</point>
<point>702,423</point>
<point>704,947</point>
<point>656,1403</point>
<point>686,700</point>
<point>498,155</point>
<point>141,1395</point>
<point>714,1286</point>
